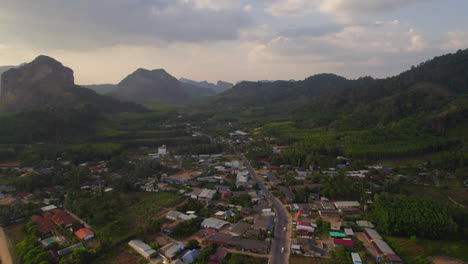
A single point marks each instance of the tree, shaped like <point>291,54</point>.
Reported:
<point>193,244</point>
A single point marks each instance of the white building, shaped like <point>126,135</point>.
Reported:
<point>356,258</point>
<point>213,223</point>
<point>142,248</point>
<point>162,151</point>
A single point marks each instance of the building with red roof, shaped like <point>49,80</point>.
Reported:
<point>61,217</point>
<point>343,242</point>
<point>84,234</point>
<point>44,224</point>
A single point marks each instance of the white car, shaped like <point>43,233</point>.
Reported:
<point>282,250</point>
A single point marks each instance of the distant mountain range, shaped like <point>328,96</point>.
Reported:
<point>219,87</point>
<point>158,87</point>
<point>278,92</point>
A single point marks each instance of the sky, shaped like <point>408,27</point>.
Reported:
<point>232,40</point>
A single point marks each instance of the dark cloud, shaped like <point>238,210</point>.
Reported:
<point>86,24</point>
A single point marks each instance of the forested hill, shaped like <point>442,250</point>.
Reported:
<point>46,83</point>
<point>40,102</point>
<point>157,87</point>
<point>279,92</point>
<point>435,90</point>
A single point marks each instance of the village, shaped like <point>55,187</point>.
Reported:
<point>224,201</point>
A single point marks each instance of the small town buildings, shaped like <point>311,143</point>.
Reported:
<point>176,215</point>
<point>356,258</point>
<point>190,256</point>
<point>343,242</point>
<point>162,151</point>
<point>365,224</point>
<point>213,223</point>
<point>206,194</point>
<point>263,223</point>
<point>239,229</point>
<point>335,225</point>
<point>69,249</point>
<point>346,204</point>
<point>48,208</point>
<point>84,234</point>
<point>170,251</point>
<point>349,231</point>
<point>142,248</point>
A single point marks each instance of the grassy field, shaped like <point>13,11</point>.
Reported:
<point>420,248</point>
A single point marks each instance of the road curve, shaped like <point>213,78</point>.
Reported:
<point>282,221</point>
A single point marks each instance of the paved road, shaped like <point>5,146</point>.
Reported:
<point>282,238</point>
<point>5,255</point>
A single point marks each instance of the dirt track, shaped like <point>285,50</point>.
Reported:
<point>4,251</point>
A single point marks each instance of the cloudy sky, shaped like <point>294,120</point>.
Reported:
<point>232,40</point>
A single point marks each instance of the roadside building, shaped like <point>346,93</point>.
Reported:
<point>346,204</point>
<point>239,229</point>
<point>170,251</point>
<point>142,248</point>
<point>213,223</point>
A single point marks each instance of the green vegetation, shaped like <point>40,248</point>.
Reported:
<point>187,228</point>
<point>401,215</point>
<point>204,256</point>
<point>415,250</point>
<point>116,217</point>
<point>29,250</point>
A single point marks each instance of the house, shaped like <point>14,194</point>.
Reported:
<point>327,205</point>
<point>346,204</point>
<point>162,151</point>
<point>288,194</point>
<point>84,234</point>
<point>61,217</point>
<point>239,229</point>
<point>264,223</point>
<point>349,231</point>
<point>44,224</point>
<point>170,251</point>
<point>25,195</point>
<point>372,234</point>
<point>142,248</point>
<point>337,234</point>
<point>329,213</point>
<point>48,208</point>
<point>69,249</point>
<point>343,242</point>
<point>173,215</point>
<point>365,224</point>
<point>213,223</point>
<point>272,178</point>
<point>218,257</point>
<point>190,256</point>
<point>206,194</point>
<point>356,258</point>
<point>335,225</point>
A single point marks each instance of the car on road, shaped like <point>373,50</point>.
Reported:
<point>282,250</point>
<point>284,229</point>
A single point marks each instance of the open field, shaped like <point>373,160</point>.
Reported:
<point>421,248</point>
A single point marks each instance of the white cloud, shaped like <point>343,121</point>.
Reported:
<point>342,10</point>
<point>353,47</point>
<point>248,8</point>
<point>457,39</point>
<point>213,4</point>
